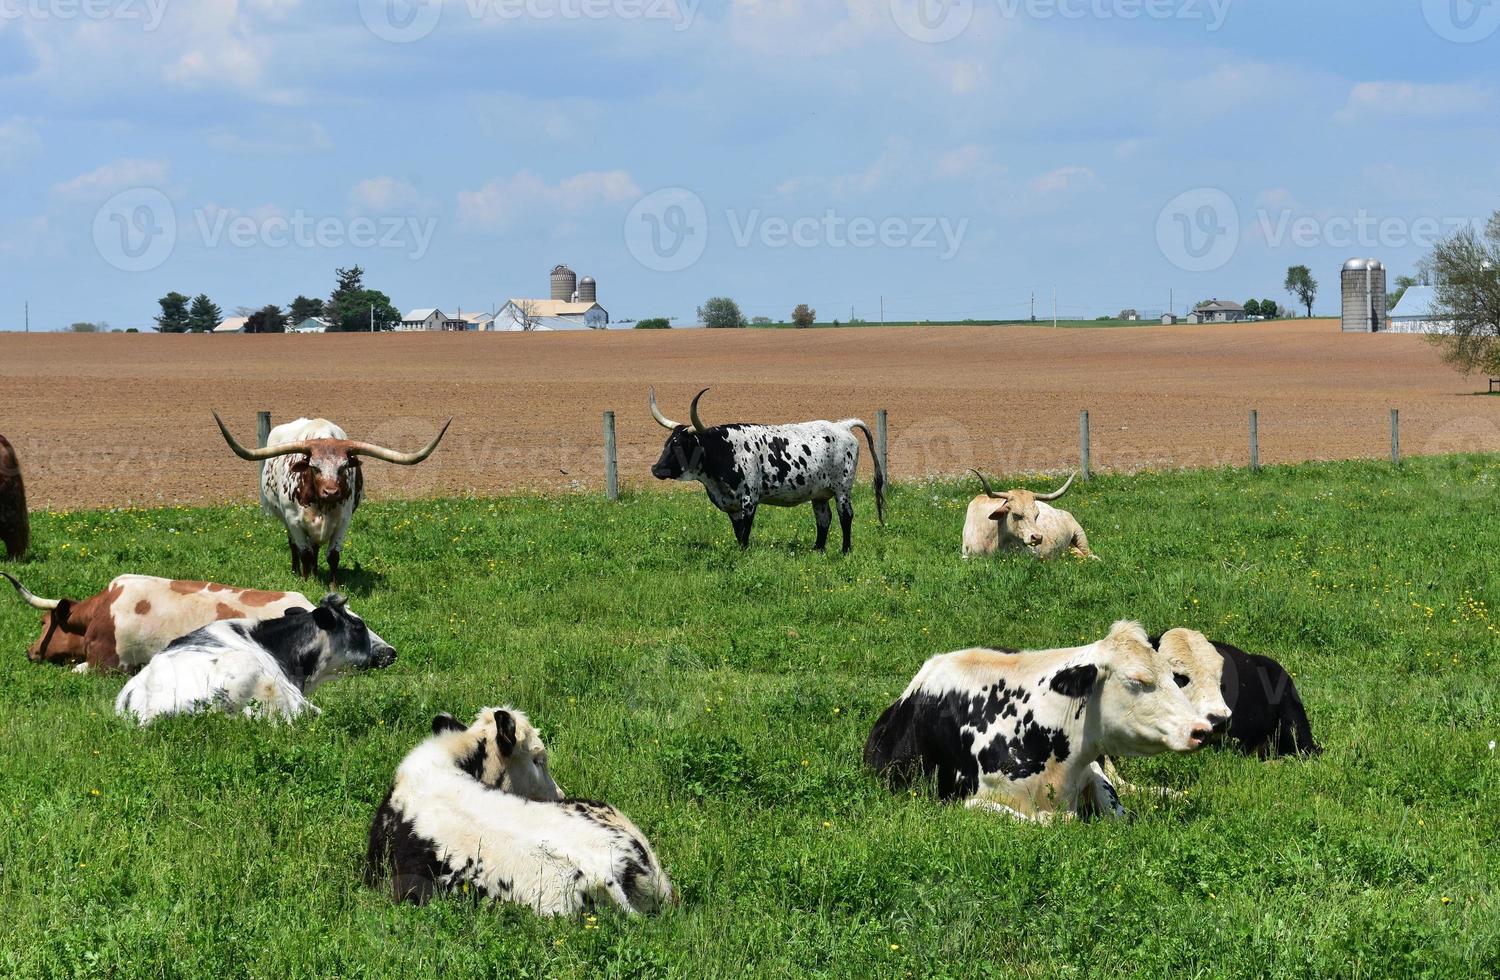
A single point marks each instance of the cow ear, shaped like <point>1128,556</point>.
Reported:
<point>325,618</point>
<point>999,514</point>
<point>446,723</point>
<point>505,732</point>
<point>1075,682</point>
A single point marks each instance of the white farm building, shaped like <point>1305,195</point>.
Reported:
<point>1416,313</point>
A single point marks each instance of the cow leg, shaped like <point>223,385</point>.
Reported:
<point>333,568</point>
<point>296,555</point>
<point>823,514</point>
<point>846,519</point>
<point>743,522</point>
<point>308,563</point>
<point>1041,816</point>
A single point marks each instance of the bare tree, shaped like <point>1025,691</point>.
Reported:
<point>527,314</point>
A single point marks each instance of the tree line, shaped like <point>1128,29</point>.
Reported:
<point>352,307</point>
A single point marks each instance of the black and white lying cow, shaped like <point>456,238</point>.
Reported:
<point>261,669</point>
<point>1020,733</point>
<point>1269,718</point>
<point>743,466</point>
<point>476,808</point>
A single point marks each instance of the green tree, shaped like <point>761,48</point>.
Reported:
<point>174,313</point>
<point>1252,307</point>
<point>1465,269</point>
<point>267,319</point>
<point>85,327</point>
<point>304,307</point>
<point>1301,284</point>
<point>654,323</point>
<point>804,316</point>
<point>365,308</point>
<point>721,312</point>
<point>204,314</point>
<point>1270,309</point>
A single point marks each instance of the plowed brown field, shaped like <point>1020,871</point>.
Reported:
<point>124,419</point>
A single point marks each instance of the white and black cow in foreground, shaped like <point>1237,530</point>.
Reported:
<point>473,808</point>
<point>743,466</point>
<point>1020,733</point>
<point>311,481</point>
<point>261,669</point>
<point>1269,718</point>
<point>1023,521</point>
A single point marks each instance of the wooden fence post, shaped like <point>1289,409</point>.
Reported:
<point>882,433</point>
<point>1083,444</point>
<point>1396,436</point>
<point>1254,441</point>
<point>611,467</point>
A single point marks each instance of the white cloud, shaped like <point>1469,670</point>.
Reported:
<point>113,177</point>
<point>388,195</point>
<point>1369,100</point>
<point>276,138</point>
<point>1062,179</point>
<point>822,28</point>
<point>965,161</point>
<point>503,201</point>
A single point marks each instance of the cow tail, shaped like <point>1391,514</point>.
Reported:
<point>879,471</point>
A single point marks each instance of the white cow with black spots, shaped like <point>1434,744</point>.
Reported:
<point>1021,733</point>
<point>742,466</point>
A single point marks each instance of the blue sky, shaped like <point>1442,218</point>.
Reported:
<point>952,159</point>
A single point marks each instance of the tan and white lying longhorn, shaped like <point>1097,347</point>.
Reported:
<point>1019,520</point>
<point>312,483</point>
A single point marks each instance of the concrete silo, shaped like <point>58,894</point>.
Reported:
<point>1363,283</point>
<point>564,283</point>
<point>588,290</point>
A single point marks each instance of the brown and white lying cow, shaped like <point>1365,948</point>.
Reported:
<point>1020,733</point>
<point>1019,520</point>
<point>134,619</point>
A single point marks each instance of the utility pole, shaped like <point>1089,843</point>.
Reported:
<point>1172,301</point>
<point>1033,306</point>
<point>28,316</point>
<point>372,317</point>
<point>1054,307</point>
<point>882,311</point>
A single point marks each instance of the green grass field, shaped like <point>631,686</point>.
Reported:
<point>721,700</point>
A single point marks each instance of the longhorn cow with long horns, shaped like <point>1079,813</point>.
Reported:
<point>1019,520</point>
<point>312,483</point>
<point>743,466</point>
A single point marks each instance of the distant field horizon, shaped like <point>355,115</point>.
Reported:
<point>123,419</point>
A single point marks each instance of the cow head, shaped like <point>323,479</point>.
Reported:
<point>327,470</point>
<point>1142,709</point>
<point>683,452</point>
<point>64,625</point>
<point>504,750</point>
<point>1018,512</point>
<point>1198,668</point>
<point>330,640</point>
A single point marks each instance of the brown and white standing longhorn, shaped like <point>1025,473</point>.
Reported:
<point>312,482</point>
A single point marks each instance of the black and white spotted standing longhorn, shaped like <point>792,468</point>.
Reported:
<point>743,466</point>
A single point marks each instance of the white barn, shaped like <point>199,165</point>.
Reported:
<point>550,314</point>
<point>1417,313</point>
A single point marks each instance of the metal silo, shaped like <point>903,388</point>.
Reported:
<point>1363,283</point>
<point>564,283</point>
<point>588,290</point>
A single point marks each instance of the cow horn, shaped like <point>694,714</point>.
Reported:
<point>31,599</point>
<point>401,459</point>
<point>988,490</point>
<point>257,455</point>
<point>661,419</point>
<point>1057,493</point>
<point>693,412</point>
